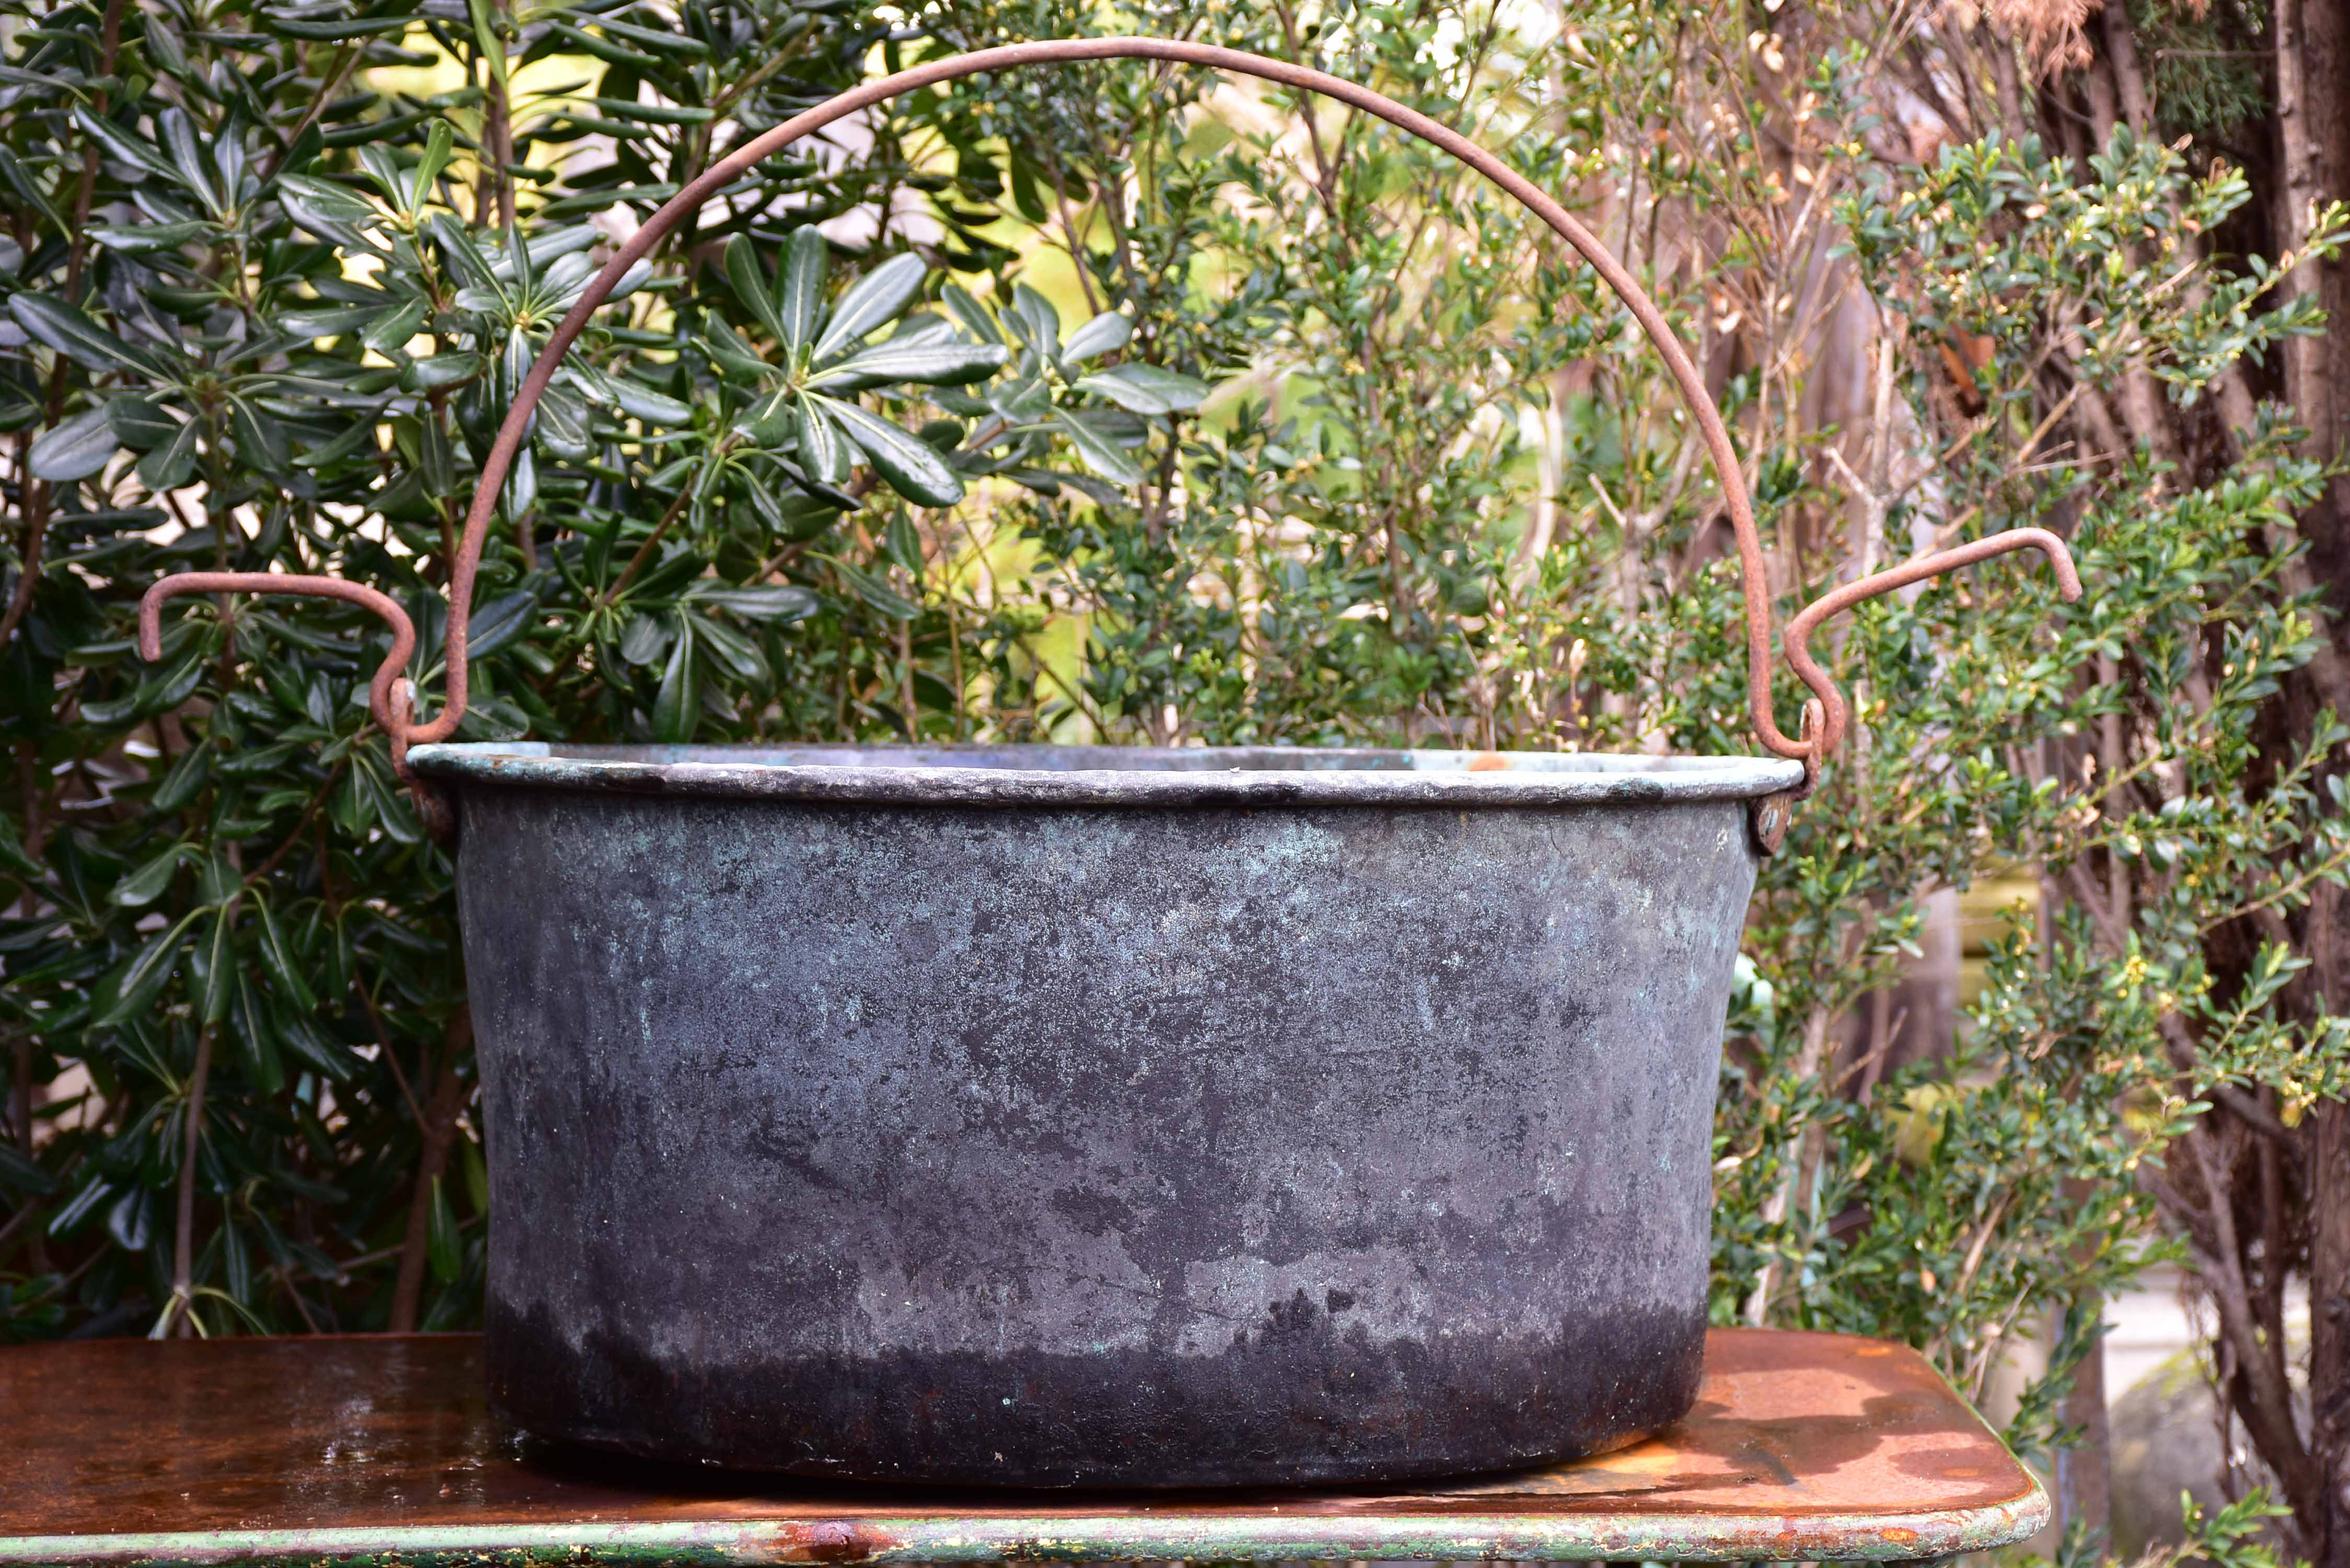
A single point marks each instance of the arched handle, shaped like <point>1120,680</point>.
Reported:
<point>1825,714</point>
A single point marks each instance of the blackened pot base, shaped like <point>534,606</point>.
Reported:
<point>1300,1400</point>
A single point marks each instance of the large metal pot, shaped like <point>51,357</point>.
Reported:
<point>1057,1116</point>
<point>1075,1116</point>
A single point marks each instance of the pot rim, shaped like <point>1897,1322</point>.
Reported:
<point>994,776</point>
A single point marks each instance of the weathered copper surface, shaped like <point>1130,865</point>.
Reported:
<point>1802,1446</point>
<point>974,1115</point>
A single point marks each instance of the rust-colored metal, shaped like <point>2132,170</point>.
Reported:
<point>1802,1446</point>
<point>1824,713</point>
<point>1836,714</point>
<point>390,694</point>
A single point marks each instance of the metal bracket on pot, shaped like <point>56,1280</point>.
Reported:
<point>1826,713</point>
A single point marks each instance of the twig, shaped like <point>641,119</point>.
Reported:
<point>449,1097</point>
<point>644,551</point>
<point>333,79</point>
<point>375,1019</point>
<point>178,1312</point>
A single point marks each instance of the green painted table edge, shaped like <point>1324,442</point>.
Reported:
<point>1061,1538</point>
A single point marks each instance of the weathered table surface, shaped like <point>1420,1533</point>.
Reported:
<point>368,1450</point>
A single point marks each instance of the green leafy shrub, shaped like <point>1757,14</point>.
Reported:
<point>275,274</point>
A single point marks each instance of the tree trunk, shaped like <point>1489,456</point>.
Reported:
<point>2312,121</point>
<point>2312,164</point>
<point>2084,1473</point>
<point>2329,1329</point>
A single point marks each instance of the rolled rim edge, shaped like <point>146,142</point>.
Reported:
<point>536,765</point>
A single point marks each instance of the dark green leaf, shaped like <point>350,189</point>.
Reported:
<point>677,707</point>
<point>876,593</point>
<point>260,439</point>
<point>822,451</point>
<point>903,543</point>
<point>730,353</point>
<point>499,622</point>
<point>749,285</point>
<point>605,50</point>
<point>652,113</point>
<point>151,238</point>
<point>871,304</point>
<point>76,449</point>
<point>284,966</point>
<point>132,989</point>
<point>443,1243</point>
<point>974,316</point>
<point>79,1210</point>
<point>12,850</point>
<point>773,420</point>
<point>1101,455</point>
<point>127,147</point>
<point>1035,320</point>
<point>140,422</point>
<point>767,602</point>
<point>445,368</point>
<point>132,1220</point>
<point>19,1173</point>
<point>187,155</point>
<point>488,40</point>
<point>332,322</point>
<point>393,331</point>
<point>330,31</point>
<point>1146,389</point>
<point>326,1055</point>
<point>439,143</point>
<point>639,401</point>
<point>671,43</point>
<point>324,201</point>
<point>734,651</point>
<point>151,880</point>
<point>1104,333</point>
<point>66,329</point>
<point>799,288</point>
<point>644,640</point>
<point>20,179</point>
<point>913,470</point>
<point>189,772</point>
<point>929,364</point>
<point>256,1041</point>
<point>236,1264</point>
<point>215,966</point>
<point>173,463</point>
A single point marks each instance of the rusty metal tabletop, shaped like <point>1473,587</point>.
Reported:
<point>379,1450</point>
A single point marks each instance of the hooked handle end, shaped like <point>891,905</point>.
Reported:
<point>1824,737</point>
<point>391,695</point>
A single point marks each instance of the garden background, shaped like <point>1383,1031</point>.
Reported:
<point>1131,404</point>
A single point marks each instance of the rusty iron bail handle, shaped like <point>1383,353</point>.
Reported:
<point>1826,714</point>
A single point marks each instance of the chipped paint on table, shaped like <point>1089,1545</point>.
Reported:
<point>380,1451</point>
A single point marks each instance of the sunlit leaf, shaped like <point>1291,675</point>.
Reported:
<point>869,303</point>
<point>911,467</point>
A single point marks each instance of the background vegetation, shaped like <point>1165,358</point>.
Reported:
<point>1130,404</point>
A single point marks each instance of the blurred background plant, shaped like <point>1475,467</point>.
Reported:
<point>1132,404</point>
